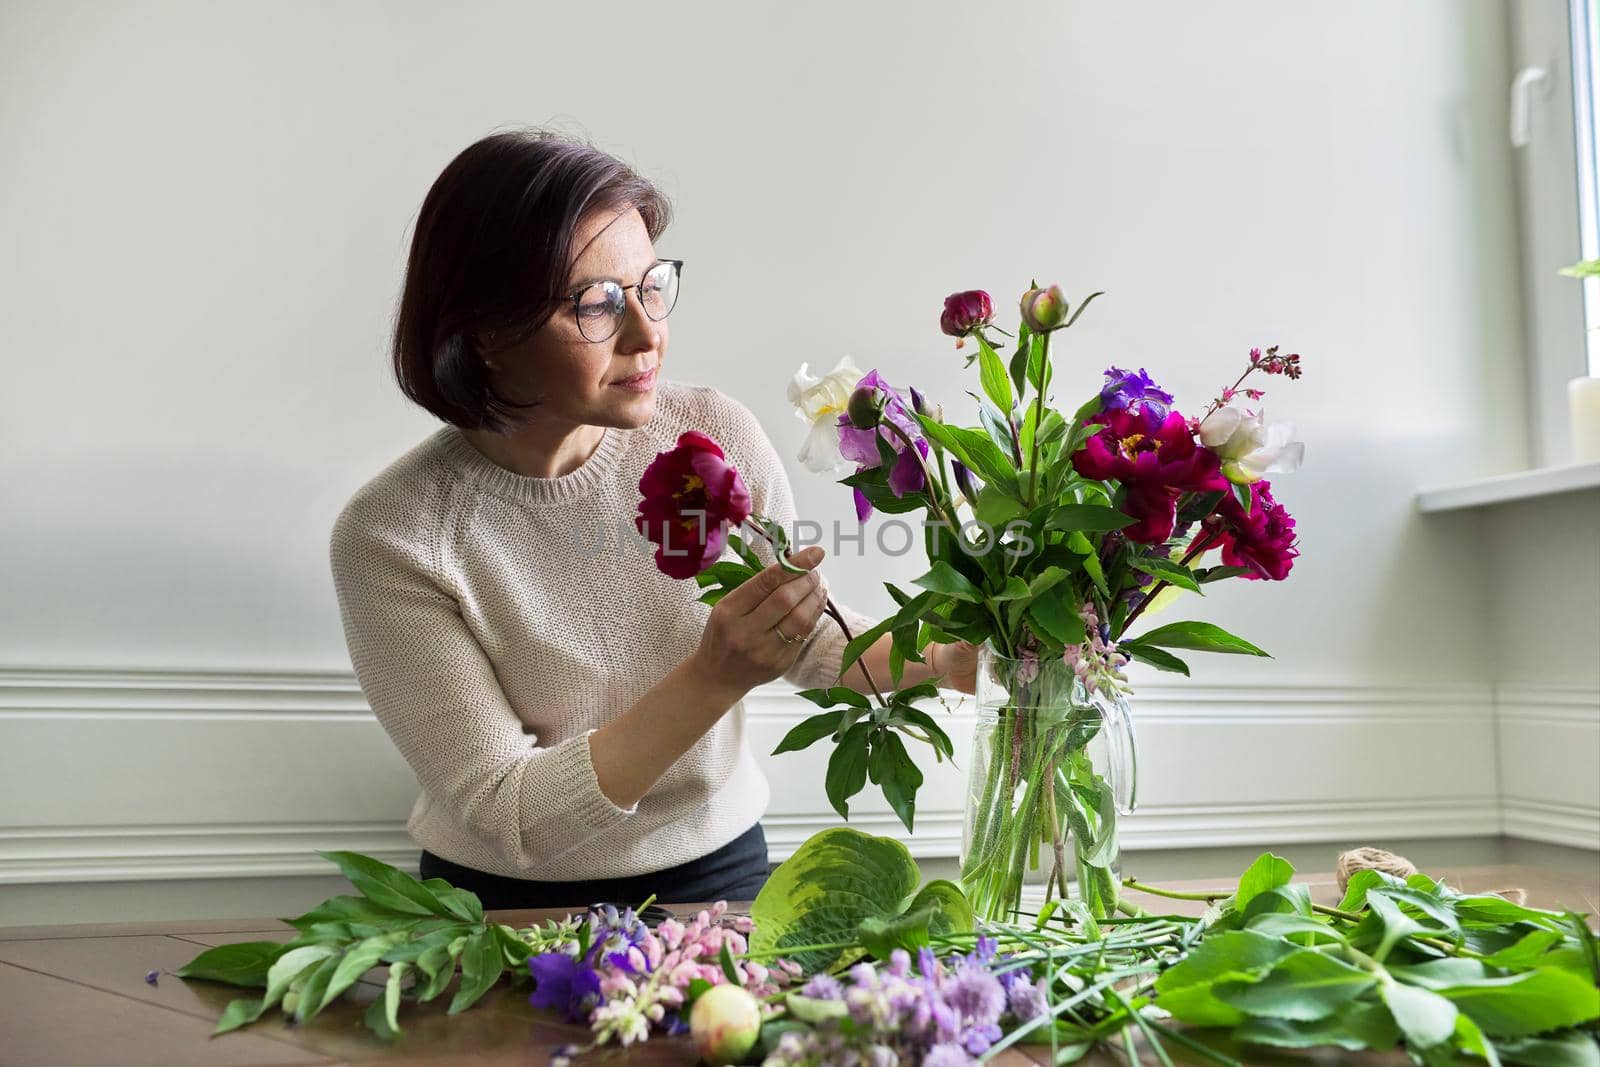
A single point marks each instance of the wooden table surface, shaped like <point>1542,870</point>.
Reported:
<point>78,995</point>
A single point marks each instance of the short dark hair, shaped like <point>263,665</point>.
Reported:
<point>490,252</point>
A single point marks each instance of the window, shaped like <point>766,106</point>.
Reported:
<point>1552,112</point>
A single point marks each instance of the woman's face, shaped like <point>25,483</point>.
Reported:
<point>575,379</point>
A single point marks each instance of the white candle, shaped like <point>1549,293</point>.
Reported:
<point>1583,401</point>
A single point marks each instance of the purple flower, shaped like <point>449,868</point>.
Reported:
<point>947,1055</point>
<point>563,984</point>
<point>900,963</point>
<point>823,987</point>
<point>861,446</point>
<point>1027,1000</point>
<point>927,962</point>
<point>152,976</point>
<point>1126,388</point>
<point>965,312</point>
<point>1015,976</point>
<point>977,1039</point>
<point>976,994</point>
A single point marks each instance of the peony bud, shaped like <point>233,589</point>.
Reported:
<point>866,407</point>
<point>965,312</point>
<point>1044,309</point>
<point>725,1024</point>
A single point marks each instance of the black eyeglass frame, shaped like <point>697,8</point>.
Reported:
<point>576,296</point>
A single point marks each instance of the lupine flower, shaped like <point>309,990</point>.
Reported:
<point>1125,389</point>
<point>1262,540</point>
<point>819,402</point>
<point>964,312</point>
<point>690,493</point>
<point>1155,457</point>
<point>860,446</point>
<point>1250,448</point>
<point>1044,309</point>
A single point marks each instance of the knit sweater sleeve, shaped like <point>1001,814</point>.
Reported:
<point>435,692</point>
<point>752,452</point>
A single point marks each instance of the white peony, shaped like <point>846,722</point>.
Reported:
<point>1249,448</point>
<point>820,402</point>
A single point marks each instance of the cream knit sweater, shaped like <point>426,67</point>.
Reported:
<point>492,634</point>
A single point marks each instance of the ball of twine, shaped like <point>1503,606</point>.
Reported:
<point>1371,859</point>
<point>1376,859</point>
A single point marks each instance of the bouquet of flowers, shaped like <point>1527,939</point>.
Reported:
<point>1048,536</point>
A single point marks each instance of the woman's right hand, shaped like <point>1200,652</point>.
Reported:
<point>743,644</point>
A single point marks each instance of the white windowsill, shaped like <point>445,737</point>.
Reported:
<point>1508,487</point>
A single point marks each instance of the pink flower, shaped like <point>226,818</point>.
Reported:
<point>1155,458</point>
<point>689,494</point>
<point>1262,540</point>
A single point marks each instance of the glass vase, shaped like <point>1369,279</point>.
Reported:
<point>1053,765</point>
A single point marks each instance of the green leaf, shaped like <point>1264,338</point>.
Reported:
<point>360,959</point>
<point>820,895</point>
<point>242,964</point>
<point>945,579</point>
<point>1155,657</point>
<point>1358,1025</point>
<point>387,886</point>
<point>814,1010</point>
<point>1546,998</point>
<point>880,936</point>
<point>292,965</point>
<point>1426,1018</point>
<point>1562,1050</point>
<point>1094,518</point>
<point>1355,894</point>
<point>1267,872</point>
<point>847,769</point>
<point>995,507</point>
<point>1057,615</point>
<point>992,374</point>
<point>1289,924</point>
<point>439,964</point>
<point>891,767</point>
<point>810,731</point>
<point>462,903</point>
<point>1303,986</point>
<point>729,971</point>
<point>377,1019</point>
<point>238,1013</point>
<point>1202,636</point>
<point>746,552</point>
<point>481,967</point>
<point>1186,989</point>
<point>731,573</point>
<point>865,640</point>
<point>348,909</point>
<point>1167,571</point>
<point>1091,560</point>
<point>917,717</point>
<point>952,912</point>
<point>314,993</point>
<point>974,449</point>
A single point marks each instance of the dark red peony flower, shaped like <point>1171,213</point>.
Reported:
<point>690,494</point>
<point>1155,456</point>
<point>1262,540</point>
<point>966,311</point>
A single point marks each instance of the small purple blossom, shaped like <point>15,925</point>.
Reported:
<point>1124,389</point>
<point>1026,1000</point>
<point>976,994</point>
<point>823,987</point>
<point>563,984</point>
<point>947,1054</point>
<point>152,976</point>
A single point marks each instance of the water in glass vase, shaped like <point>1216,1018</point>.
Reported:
<point>1053,764</point>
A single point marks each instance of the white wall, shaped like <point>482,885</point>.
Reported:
<point>205,212</point>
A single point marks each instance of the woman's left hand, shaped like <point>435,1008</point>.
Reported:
<point>955,665</point>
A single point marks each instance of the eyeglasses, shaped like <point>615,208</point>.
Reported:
<point>599,306</point>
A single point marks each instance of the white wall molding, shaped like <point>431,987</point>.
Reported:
<point>1548,738</point>
<point>309,769</point>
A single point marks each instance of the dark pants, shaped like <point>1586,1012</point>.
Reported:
<point>734,872</point>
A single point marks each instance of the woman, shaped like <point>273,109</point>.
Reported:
<point>573,716</point>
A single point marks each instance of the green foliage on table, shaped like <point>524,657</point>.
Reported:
<point>423,930</point>
<point>844,895</point>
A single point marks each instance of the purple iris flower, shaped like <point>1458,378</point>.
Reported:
<point>1128,388</point>
<point>564,984</point>
<point>861,446</point>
